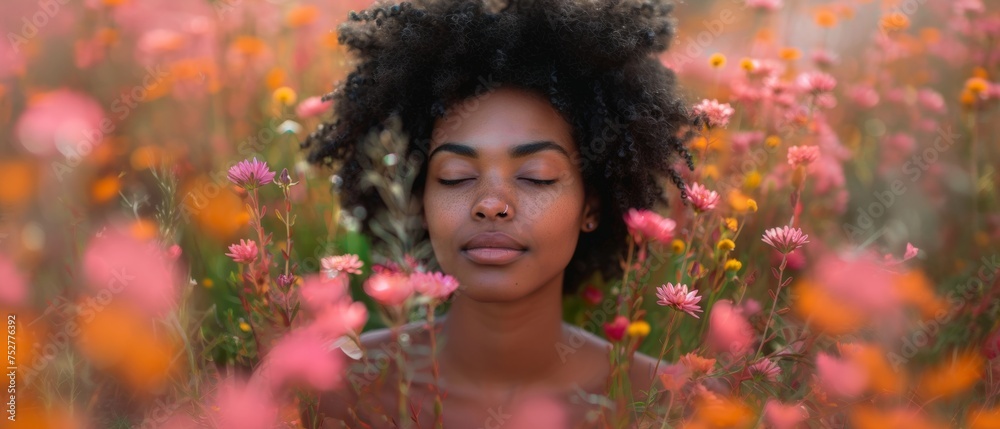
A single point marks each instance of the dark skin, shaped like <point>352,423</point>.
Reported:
<point>503,339</point>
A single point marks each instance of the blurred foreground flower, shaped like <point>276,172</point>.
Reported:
<point>648,225</point>
<point>435,285</point>
<point>389,289</point>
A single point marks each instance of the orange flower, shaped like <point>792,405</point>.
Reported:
<point>724,413</point>
<point>18,181</point>
<point>216,209</point>
<point>895,21</point>
<point>116,338</point>
<point>302,16</point>
<point>829,314</point>
<point>249,45</point>
<point>826,18</point>
<point>144,229</point>
<point>275,78</point>
<point>952,378</point>
<point>977,85</point>
<point>881,377</point>
<point>697,364</point>
<point>983,419</point>
<point>105,188</point>
<point>916,289</point>
<point>717,60</point>
<point>789,54</point>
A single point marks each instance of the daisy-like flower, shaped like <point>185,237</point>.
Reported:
<point>389,289</point>
<point>435,285</point>
<point>645,224</point>
<point>785,239</point>
<point>718,114</point>
<point>348,263</point>
<point>802,155</point>
<point>702,198</point>
<point>816,82</point>
<point>679,298</point>
<point>765,368</point>
<point>251,174</point>
<point>243,253</point>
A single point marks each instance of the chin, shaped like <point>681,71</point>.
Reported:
<point>484,286</point>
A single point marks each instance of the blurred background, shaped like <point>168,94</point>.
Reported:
<point>120,119</point>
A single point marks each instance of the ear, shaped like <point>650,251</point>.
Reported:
<point>591,213</point>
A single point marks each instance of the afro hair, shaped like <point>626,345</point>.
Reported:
<point>595,61</point>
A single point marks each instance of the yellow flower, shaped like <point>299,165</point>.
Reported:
<point>284,95</point>
<point>748,64</point>
<point>733,265</point>
<point>731,223</point>
<point>967,98</point>
<point>638,329</point>
<point>208,283</point>
<point>725,245</point>
<point>752,204</point>
<point>772,141</point>
<point>711,171</point>
<point>979,71</point>
<point>717,60</point>
<point>244,326</point>
<point>752,181</point>
<point>976,85</point>
<point>677,246</point>
<point>789,54</point>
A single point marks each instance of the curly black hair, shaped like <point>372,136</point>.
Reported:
<point>595,60</point>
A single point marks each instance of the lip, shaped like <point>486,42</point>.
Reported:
<point>493,255</point>
<point>493,248</point>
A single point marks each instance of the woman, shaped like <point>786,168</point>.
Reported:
<point>539,123</point>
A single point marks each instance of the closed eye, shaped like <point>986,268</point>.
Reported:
<point>446,182</point>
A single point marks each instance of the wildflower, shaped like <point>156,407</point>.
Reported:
<point>772,141</point>
<point>284,96</point>
<point>435,285</point>
<point>615,330</point>
<point>301,16</point>
<point>679,298</point>
<point>783,416</point>
<point>74,113</point>
<point>318,292</point>
<point>15,290</point>
<point>789,54</point>
<point>953,377</point>
<point>816,82</point>
<point>826,18</point>
<point>208,283</point>
<point>244,326</point>
<point>840,377</point>
<point>675,377</point>
<point>302,356</point>
<point>697,364</point>
<point>802,155</point>
<point>728,329</point>
<point>638,329</point>
<point>592,295</point>
<point>768,5</point>
<point>313,106</point>
<point>785,239</point>
<point>238,406</point>
<point>243,253</point>
<point>733,265</point>
<point>389,288</point>
<point>717,60</point>
<point>717,114</point>
<point>748,65</point>
<point>765,368</point>
<point>725,245</point>
<point>977,85</point>
<point>677,246</point>
<point>251,174</point>
<point>702,198</point>
<point>752,204</point>
<point>349,263</point>
<point>730,223</point>
<point>894,22</point>
<point>647,225</point>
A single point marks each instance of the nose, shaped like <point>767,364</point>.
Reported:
<point>492,208</point>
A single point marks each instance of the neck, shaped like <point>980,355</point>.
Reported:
<point>504,343</point>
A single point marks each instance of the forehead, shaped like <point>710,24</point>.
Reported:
<point>500,119</point>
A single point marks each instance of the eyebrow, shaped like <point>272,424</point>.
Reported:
<point>519,151</point>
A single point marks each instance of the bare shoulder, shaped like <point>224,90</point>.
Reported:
<point>643,373</point>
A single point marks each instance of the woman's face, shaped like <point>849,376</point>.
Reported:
<point>510,151</point>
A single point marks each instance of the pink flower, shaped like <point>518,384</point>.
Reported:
<point>931,100</point>
<point>140,272</point>
<point>243,253</point>
<point>389,288</point>
<point>236,406</point>
<point>435,285</point>
<point>824,58</point>
<point>313,106</point>
<point>62,121</point>
<point>802,155</point>
<point>301,357</point>
<point>717,114</point>
<point>765,368</point>
<point>861,282</point>
<point>840,377</point>
<point>615,330</point>
<point>349,263</point>
<point>785,239</point>
<point>702,198</point>
<point>339,318</point>
<point>13,289</point>
<point>592,295</point>
<point>251,174</point>
<point>911,252</point>
<point>318,291</point>
<point>645,224</point>
<point>728,329</point>
<point>864,96</point>
<point>816,82</point>
<point>783,416</point>
<point>768,5</point>
<point>679,298</point>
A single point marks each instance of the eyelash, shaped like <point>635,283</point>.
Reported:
<point>446,182</point>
